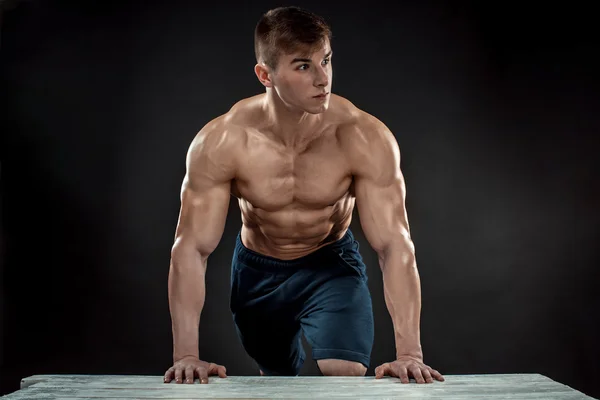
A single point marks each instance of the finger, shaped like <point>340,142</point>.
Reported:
<point>402,373</point>
<point>382,370</point>
<point>202,374</point>
<point>437,375</point>
<point>189,375</point>
<point>169,375</point>
<point>178,373</point>
<point>416,372</point>
<point>212,369</point>
<point>427,375</point>
<point>216,369</point>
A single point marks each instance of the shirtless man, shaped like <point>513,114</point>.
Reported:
<point>297,158</point>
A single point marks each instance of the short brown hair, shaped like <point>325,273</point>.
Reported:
<point>285,30</point>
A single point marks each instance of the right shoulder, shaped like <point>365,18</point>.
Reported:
<point>218,135</point>
<point>221,142</point>
<point>229,131</point>
<point>215,148</point>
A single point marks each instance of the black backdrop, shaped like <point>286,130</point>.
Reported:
<point>495,107</point>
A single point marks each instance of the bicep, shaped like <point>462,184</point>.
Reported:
<point>379,185</point>
<point>206,189</point>
<point>381,209</point>
<point>203,215</point>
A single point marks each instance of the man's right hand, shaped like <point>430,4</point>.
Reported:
<point>190,367</point>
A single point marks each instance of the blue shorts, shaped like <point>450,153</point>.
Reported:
<point>323,295</point>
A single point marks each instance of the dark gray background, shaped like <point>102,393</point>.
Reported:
<point>494,105</point>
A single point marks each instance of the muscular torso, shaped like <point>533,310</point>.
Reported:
<point>293,199</point>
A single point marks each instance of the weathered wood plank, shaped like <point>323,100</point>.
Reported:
<point>456,387</point>
<point>349,386</point>
<point>258,380</point>
<point>291,395</point>
<point>365,387</point>
<point>350,383</point>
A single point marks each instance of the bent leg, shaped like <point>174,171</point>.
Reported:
<point>338,324</point>
<point>275,347</point>
<point>335,367</point>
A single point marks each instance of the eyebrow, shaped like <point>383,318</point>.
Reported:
<point>308,59</point>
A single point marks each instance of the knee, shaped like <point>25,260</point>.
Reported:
<point>333,367</point>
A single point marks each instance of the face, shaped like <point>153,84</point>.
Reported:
<point>303,81</point>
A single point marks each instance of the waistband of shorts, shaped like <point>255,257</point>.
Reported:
<point>268,263</point>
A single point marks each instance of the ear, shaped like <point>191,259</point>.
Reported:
<point>263,73</point>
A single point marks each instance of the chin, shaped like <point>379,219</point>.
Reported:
<point>318,109</point>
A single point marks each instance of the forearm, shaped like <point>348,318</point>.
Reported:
<point>402,292</point>
<point>186,299</point>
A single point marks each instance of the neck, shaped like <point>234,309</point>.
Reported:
<point>290,125</point>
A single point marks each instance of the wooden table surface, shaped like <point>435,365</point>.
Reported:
<point>494,386</point>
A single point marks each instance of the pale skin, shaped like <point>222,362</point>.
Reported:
<point>297,164</point>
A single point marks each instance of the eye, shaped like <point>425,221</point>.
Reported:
<point>302,67</point>
<point>326,61</point>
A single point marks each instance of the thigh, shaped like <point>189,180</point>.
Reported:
<point>338,320</point>
<point>265,323</point>
<point>273,341</point>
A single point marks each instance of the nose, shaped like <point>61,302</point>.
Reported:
<point>321,77</point>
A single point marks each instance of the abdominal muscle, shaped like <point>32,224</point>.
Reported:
<point>294,231</point>
<point>297,198</point>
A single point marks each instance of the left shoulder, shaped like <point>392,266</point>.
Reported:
<point>369,145</point>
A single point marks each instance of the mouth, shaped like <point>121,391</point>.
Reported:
<point>322,95</point>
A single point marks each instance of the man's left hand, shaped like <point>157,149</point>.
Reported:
<point>405,367</point>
